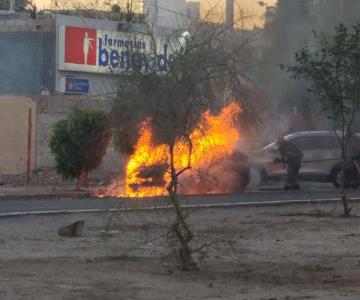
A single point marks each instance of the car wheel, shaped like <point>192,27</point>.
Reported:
<point>256,177</point>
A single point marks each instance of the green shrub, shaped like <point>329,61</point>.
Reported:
<point>78,142</point>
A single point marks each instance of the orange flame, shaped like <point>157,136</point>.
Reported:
<point>215,137</point>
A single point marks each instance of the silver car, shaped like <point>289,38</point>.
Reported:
<point>321,161</point>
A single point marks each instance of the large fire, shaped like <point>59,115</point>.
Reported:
<point>147,171</point>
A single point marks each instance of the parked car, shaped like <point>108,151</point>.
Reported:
<point>321,161</point>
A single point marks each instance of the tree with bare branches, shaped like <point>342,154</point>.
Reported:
<point>199,69</point>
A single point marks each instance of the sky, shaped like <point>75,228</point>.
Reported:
<point>251,8</point>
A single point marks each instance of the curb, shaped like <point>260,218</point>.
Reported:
<point>185,206</point>
<point>54,195</point>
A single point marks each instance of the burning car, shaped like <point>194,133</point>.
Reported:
<point>227,174</point>
<point>216,165</point>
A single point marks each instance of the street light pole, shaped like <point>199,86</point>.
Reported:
<point>229,15</point>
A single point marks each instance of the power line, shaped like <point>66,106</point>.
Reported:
<point>176,12</point>
<point>165,9</point>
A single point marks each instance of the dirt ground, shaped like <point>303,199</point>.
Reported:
<point>283,252</point>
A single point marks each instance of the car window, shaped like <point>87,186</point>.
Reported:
<point>316,142</point>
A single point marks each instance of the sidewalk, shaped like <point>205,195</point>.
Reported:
<point>8,192</point>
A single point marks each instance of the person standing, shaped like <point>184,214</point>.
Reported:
<point>292,156</point>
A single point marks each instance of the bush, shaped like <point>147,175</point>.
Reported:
<point>78,142</point>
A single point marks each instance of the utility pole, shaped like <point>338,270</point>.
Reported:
<point>29,150</point>
<point>229,15</point>
<point>151,10</point>
<point>341,14</point>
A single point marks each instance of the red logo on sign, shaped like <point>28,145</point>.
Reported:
<point>80,46</point>
<point>69,85</point>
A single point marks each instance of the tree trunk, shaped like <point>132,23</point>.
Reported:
<point>343,169</point>
<point>78,183</point>
<point>180,227</point>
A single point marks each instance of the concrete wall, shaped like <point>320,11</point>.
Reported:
<point>52,108</point>
<point>14,134</point>
<point>45,111</point>
<point>27,49</point>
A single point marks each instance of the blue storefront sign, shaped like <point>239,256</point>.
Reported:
<point>76,85</point>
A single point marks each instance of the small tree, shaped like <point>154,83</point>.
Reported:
<point>333,70</point>
<point>207,67</point>
<point>79,143</point>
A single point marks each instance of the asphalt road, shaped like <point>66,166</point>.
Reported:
<point>271,194</point>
